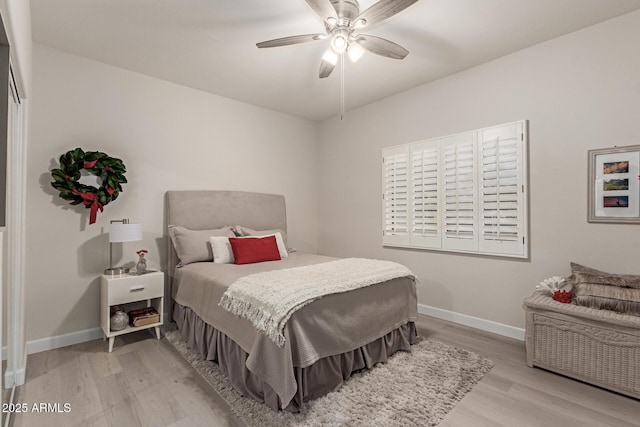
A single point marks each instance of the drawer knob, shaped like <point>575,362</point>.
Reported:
<point>138,289</point>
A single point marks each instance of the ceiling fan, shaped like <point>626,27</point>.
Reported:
<point>343,23</point>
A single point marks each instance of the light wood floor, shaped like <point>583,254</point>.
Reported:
<point>146,382</point>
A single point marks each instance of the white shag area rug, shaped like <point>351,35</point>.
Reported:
<point>417,388</point>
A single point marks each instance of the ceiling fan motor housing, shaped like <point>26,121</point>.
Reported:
<point>347,10</point>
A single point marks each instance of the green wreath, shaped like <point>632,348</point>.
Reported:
<point>109,169</point>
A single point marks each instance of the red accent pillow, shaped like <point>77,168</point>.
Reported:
<point>254,249</point>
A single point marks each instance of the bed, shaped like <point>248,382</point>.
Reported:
<point>325,341</point>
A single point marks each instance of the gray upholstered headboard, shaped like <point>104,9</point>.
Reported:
<point>203,210</point>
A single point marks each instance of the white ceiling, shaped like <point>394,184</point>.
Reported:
<point>210,44</point>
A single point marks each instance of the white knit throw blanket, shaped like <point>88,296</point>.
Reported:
<point>268,299</point>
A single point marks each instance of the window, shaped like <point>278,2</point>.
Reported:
<point>460,193</point>
<point>396,195</point>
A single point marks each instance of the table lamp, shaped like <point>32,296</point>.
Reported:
<point>121,231</point>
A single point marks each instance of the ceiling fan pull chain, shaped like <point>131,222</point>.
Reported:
<point>341,86</point>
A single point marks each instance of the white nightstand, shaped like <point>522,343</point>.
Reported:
<point>131,291</point>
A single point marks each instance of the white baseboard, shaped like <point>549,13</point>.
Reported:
<point>9,379</point>
<point>16,378</point>
<point>64,340</point>
<point>58,341</point>
<point>474,322</point>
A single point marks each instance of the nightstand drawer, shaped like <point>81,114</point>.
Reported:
<point>135,288</point>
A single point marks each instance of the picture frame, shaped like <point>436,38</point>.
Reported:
<point>614,185</point>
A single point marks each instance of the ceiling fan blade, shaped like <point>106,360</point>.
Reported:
<point>326,68</point>
<point>382,47</point>
<point>384,9</point>
<point>329,61</point>
<point>286,41</point>
<point>323,8</point>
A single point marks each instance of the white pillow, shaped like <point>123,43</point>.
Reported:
<point>222,252</point>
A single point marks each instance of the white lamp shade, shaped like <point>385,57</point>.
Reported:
<point>355,51</point>
<point>330,56</point>
<point>124,232</point>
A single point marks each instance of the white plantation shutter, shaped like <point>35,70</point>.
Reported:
<point>395,182</point>
<point>459,184</point>
<point>461,193</point>
<point>425,200</point>
<point>502,190</point>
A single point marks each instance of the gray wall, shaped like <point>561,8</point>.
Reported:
<point>170,138</point>
<point>579,92</point>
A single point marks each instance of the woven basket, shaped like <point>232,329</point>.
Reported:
<point>600,347</point>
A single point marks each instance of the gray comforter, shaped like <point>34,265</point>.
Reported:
<point>331,325</point>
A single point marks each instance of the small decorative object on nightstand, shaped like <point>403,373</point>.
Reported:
<point>141,266</point>
<point>119,319</point>
<point>130,292</point>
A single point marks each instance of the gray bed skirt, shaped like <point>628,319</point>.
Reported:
<point>313,381</point>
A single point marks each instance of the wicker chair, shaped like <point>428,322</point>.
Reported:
<point>599,347</point>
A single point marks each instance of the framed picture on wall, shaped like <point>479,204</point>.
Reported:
<point>614,185</point>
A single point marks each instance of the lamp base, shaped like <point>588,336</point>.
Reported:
<point>116,271</point>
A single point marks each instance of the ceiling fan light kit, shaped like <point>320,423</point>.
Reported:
<point>330,56</point>
<point>340,41</point>
<point>355,51</point>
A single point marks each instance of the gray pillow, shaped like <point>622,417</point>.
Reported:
<point>582,274</point>
<point>604,297</point>
<point>246,231</point>
<point>193,245</point>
